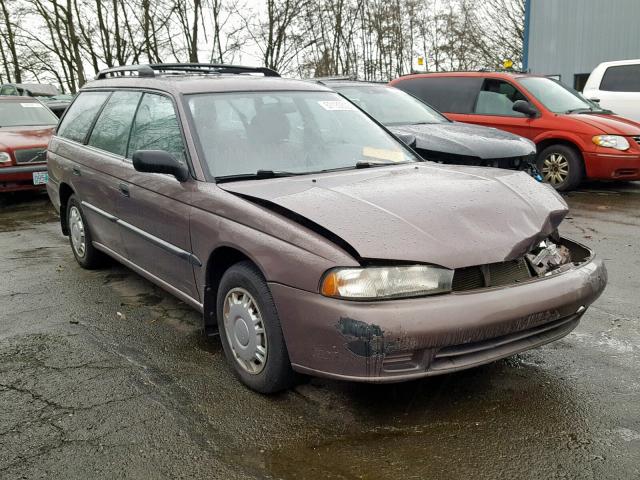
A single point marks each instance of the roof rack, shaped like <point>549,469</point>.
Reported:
<point>151,70</point>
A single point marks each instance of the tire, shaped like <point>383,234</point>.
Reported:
<point>80,234</point>
<point>561,166</point>
<point>244,297</point>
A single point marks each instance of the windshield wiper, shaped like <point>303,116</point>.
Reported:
<point>365,164</point>
<point>258,175</point>
<point>580,110</point>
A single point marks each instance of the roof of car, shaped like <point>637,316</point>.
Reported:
<point>188,84</point>
<point>343,82</point>
<point>18,98</point>
<point>491,74</point>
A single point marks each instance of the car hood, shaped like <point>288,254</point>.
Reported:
<point>469,140</point>
<point>451,216</point>
<point>15,138</point>
<point>608,124</point>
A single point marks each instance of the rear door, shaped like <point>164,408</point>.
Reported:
<point>155,207</point>
<point>620,90</point>
<point>453,96</point>
<point>90,171</point>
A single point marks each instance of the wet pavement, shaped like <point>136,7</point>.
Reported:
<point>103,375</point>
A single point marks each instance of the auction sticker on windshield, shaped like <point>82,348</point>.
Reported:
<point>31,105</point>
<point>40,178</point>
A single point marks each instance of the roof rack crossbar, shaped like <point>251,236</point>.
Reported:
<point>203,68</point>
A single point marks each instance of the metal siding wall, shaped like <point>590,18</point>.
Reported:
<point>574,36</point>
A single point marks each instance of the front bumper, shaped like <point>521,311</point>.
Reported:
<point>392,341</point>
<point>612,166</point>
<point>20,177</point>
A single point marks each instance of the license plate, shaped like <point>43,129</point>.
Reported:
<point>40,178</point>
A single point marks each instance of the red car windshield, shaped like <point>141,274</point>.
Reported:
<point>25,114</point>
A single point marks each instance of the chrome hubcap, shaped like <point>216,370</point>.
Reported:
<point>245,331</point>
<point>555,168</point>
<point>76,227</point>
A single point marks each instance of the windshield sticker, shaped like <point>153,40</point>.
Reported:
<point>337,105</point>
<point>31,105</point>
<point>383,154</point>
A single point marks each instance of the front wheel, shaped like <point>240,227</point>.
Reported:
<point>561,166</point>
<point>250,330</point>
<point>80,237</point>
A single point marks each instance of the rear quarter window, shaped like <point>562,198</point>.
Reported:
<point>623,78</point>
<point>447,94</point>
<point>81,114</point>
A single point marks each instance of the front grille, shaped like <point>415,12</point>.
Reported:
<point>31,155</point>
<point>491,275</point>
<point>636,139</point>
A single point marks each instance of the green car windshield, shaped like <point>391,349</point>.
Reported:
<point>390,106</point>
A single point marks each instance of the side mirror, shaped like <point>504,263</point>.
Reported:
<point>408,139</point>
<point>159,161</point>
<point>525,107</point>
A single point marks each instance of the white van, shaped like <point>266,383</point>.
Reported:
<point>616,85</point>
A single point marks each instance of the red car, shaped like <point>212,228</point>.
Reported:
<point>26,126</point>
<point>575,138</point>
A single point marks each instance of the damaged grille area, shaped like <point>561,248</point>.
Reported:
<point>492,275</point>
<point>547,258</point>
<point>30,155</point>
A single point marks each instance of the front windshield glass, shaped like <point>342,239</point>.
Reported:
<point>243,133</point>
<point>25,113</point>
<point>556,97</point>
<point>390,106</point>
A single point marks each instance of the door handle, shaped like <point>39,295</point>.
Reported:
<point>76,171</point>
<point>124,189</point>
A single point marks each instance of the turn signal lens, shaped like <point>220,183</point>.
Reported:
<point>386,282</point>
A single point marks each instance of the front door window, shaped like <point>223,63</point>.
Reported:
<point>497,98</point>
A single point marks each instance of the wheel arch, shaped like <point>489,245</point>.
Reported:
<point>65,193</point>
<point>219,261</point>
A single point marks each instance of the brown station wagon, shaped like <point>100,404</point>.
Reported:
<point>309,237</point>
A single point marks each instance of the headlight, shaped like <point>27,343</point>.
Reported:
<point>611,141</point>
<point>386,282</point>
<point>5,157</point>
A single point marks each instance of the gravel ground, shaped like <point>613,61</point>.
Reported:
<point>103,375</point>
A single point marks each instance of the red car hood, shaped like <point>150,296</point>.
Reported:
<point>609,124</point>
<point>15,138</point>
<point>450,216</point>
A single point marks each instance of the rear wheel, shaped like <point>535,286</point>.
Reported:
<point>561,166</point>
<point>250,330</point>
<point>80,237</point>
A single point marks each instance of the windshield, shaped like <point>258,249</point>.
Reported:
<point>556,97</point>
<point>390,106</point>
<point>25,113</point>
<point>246,133</point>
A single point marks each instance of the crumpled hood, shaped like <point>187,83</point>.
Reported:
<point>608,124</point>
<point>445,215</point>
<point>470,140</point>
<point>15,138</point>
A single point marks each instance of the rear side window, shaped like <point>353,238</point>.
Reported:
<point>81,114</point>
<point>447,94</point>
<point>623,78</point>
<point>156,127</point>
<point>111,131</point>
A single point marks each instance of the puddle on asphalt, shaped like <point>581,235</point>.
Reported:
<point>457,426</point>
<point>19,211</point>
